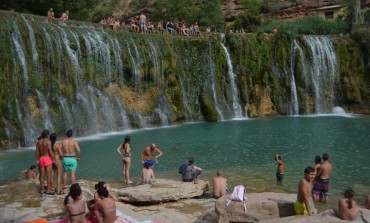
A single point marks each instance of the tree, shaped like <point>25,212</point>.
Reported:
<point>250,19</point>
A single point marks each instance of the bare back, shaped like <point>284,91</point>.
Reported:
<point>325,170</point>
<point>280,167</point>
<point>76,211</point>
<point>105,210</point>
<point>43,147</point>
<point>219,186</point>
<point>344,212</point>
<point>69,146</point>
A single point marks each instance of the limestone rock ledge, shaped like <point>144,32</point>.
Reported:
<point>274,208</point>
<point>162,190</point>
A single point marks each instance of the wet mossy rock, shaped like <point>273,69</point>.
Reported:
<point>85,77</point>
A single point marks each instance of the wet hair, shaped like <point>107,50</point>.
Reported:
<point>69,133</point>
<point>308,170</point>
<point>219,173</point>
<point>100,184</point>
<point>349,194</point>
<point>317,159</point>
<point>103,191</point>
<point>75,191</point>
<point>45,134</point>
<point>191,160</point>
<point>325,156</point>
<point>32,167</point>
<point>126,140</point>
<point>147,165</point>
<point>53,139</point>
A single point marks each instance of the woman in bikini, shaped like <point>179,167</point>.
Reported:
<point>124,151</point>
<point>75,206</point>
<point>57,163</point>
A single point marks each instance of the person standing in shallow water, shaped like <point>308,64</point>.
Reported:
<point>321,185</point>
<point>280,170</point>
<point>124,150</point>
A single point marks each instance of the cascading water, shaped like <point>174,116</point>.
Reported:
<point>293,88</point>
<point>234,90</point>
<point>322,72</point>
<point>93,80</point>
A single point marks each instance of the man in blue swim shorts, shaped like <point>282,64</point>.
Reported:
<point>148,153</point>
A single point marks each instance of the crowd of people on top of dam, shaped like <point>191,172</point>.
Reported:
<point>58,159</point>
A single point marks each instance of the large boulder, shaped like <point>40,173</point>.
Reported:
<point>162,190</point>
<point>275,208</point>
<point>263,206</point>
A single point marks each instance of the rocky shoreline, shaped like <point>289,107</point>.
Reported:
<point>20,202</point>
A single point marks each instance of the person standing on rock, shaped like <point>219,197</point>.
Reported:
<point>70,147</point>
<point>280,170</point>
<point>126,158</point>
<point>45,158</point>
<point>191,172</point>
<point>148,153</point>
<point>303,205</point>
<point>220,187</point>
<point>321,185</point>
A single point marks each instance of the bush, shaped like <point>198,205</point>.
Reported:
<point>308,26</point>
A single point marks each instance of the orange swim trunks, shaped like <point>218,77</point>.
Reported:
<point>45,161</point>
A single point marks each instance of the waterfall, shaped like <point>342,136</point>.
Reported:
<point>33,43</point>
<point>45,112</point>
<point>293,89</point>
<point>322,72</point>
<point>18,50</point>
<point>95,80</point>
<point>234,90</point>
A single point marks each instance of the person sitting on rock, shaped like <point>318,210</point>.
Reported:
<point>105,208</point>
<point>75,206</point>
<point>192,172</point>
<point>220,187</point>
<point>347,208</point>
<point>147,174</point>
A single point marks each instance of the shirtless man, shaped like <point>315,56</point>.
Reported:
<point>142,21</point>
<point>219,185</point>
<point>322,180</point>
<point>45,157</point>
<point>70,147</point>
<point>302,206</point>
<point>65,16</point>
<point>148,153</point>
<point>280,170</point>
<point>51,13</point>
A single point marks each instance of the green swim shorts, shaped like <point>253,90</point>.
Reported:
<point>69,163</point>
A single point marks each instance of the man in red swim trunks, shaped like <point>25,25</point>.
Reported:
<point>45,157</point>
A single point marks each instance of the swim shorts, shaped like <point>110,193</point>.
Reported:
<point>279,177</point>
<point>69,163</point>
<point>321,186</point>
<point>45,161</point>
<point>151,162</point>
<point>300,208</point>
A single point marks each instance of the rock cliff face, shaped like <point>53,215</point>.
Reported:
<point>279,9</point>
